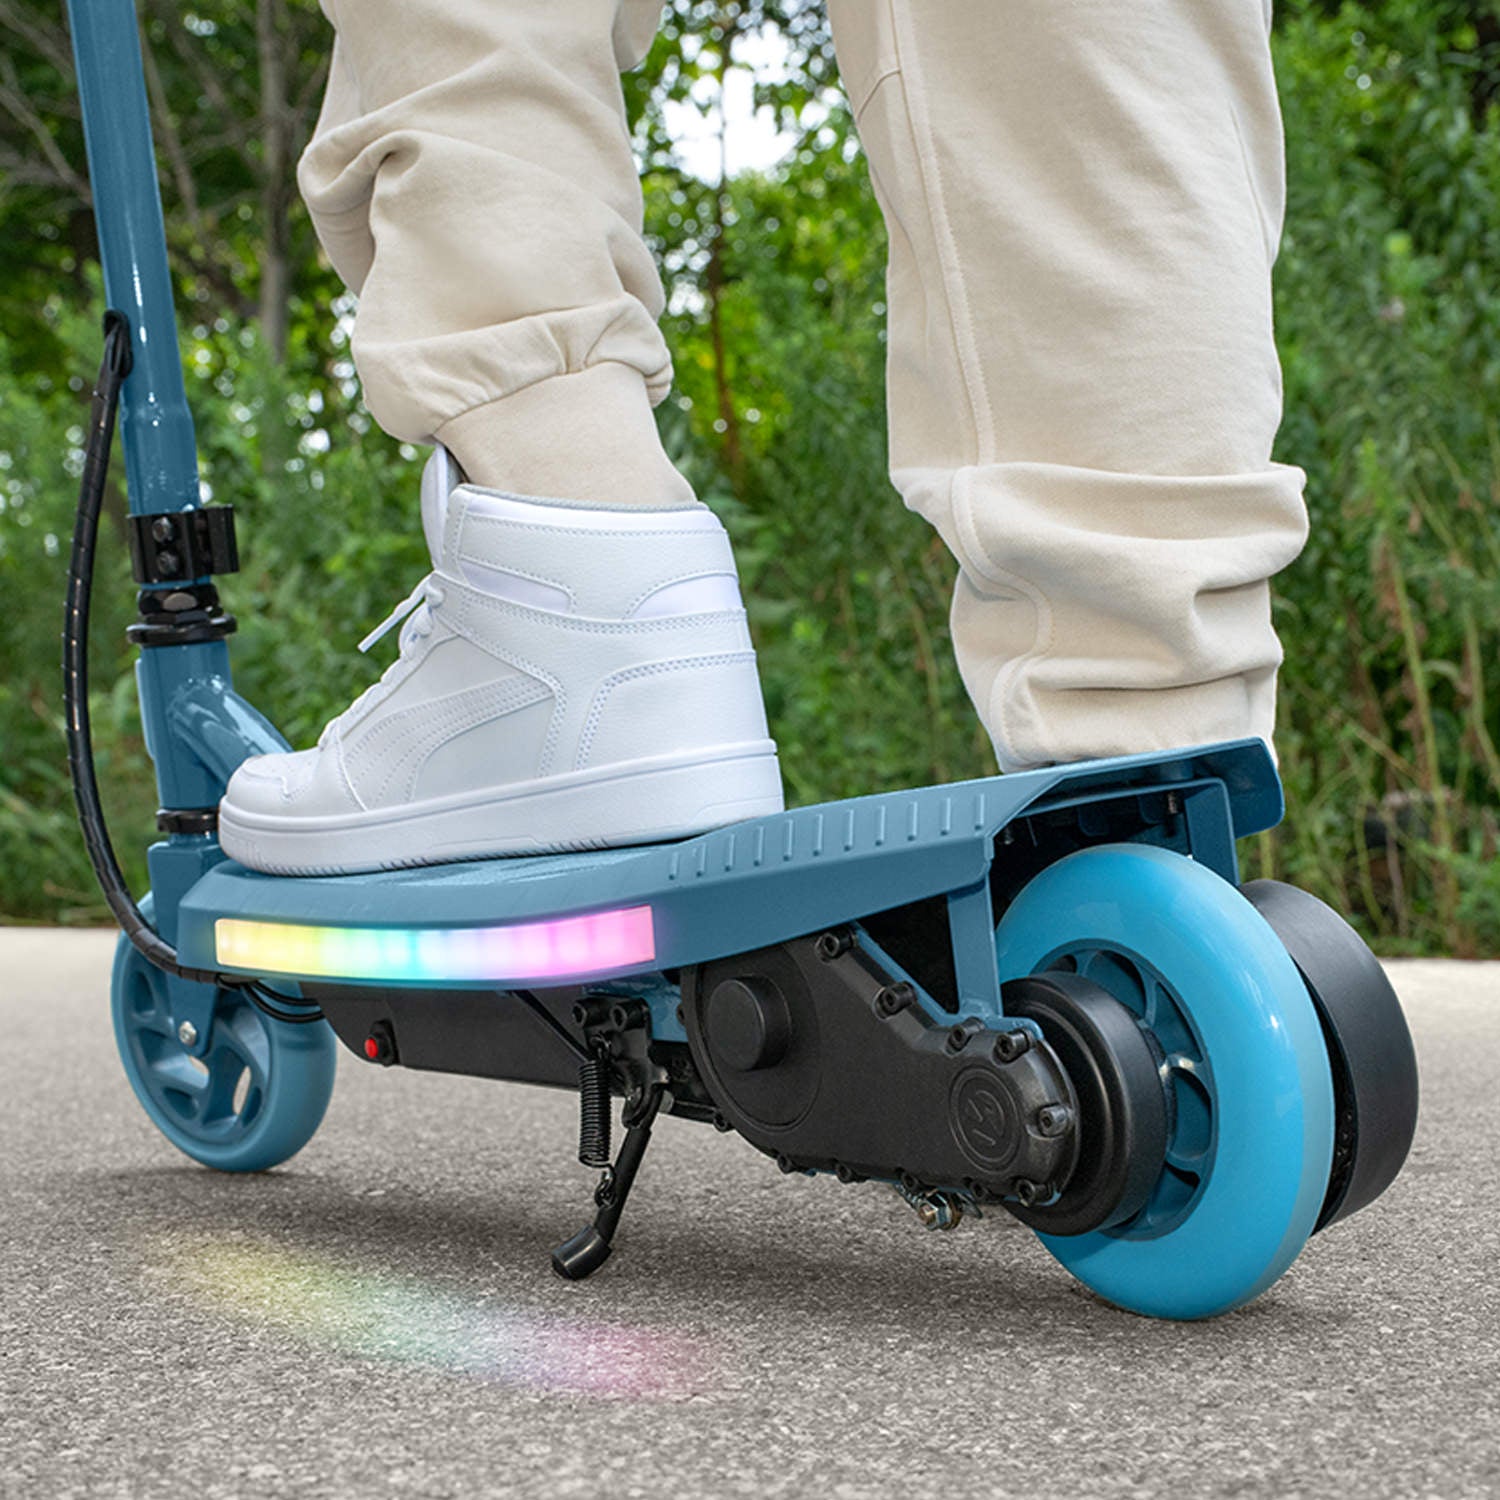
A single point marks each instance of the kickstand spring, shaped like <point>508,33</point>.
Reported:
<point>587,1250</point>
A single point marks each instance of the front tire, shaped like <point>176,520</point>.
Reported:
<point>245,1097</point>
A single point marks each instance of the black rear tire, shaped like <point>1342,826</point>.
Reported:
<point>1370,1050</point>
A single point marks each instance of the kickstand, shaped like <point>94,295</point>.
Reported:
<point>587,1250</point>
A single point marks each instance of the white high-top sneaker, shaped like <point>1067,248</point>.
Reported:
<point>572,676</point>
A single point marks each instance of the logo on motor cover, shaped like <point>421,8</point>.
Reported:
<point>983,1120</point>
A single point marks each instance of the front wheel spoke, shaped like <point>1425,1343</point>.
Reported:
<point>227,1064</point>
<point>244,1033</point>
<point>154,1023</point>
<point>175,1071</point>
<point>157,1020</point>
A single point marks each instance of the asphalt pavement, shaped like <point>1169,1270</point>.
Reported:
<point>378,1317</point>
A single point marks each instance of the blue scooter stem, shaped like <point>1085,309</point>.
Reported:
<point>197,729</point>
<point>156,427</point>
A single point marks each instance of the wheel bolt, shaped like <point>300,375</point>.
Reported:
<point>187,1034</point>
<point>1010,1045</point>
<point>1053,1119</point>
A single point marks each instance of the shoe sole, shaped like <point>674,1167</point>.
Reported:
<point>639,802</point>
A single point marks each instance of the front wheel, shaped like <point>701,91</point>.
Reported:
<point>233,1088</point>
<point>1242,1062</point>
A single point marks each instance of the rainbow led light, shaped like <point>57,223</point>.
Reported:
<point>594,943</point>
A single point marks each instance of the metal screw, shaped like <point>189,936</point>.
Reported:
<point>1029,1192</point>
<point>167,562</point>
<point>1010,1045</point>
<point>162,529</point>
<point>958,1038</point>
<point>187,1034</point>
<point>891,999</point>
<point>830,945</point>
<point>1053,1119</point>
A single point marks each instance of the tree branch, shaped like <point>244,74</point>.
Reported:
<point>237,128</point>
<point>15,103</point>
<point>52,44</point>
<point>171,140</point>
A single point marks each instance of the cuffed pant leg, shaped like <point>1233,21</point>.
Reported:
<point>472,179</point>
<point>1084,200</point>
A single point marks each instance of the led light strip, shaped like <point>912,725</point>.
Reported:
<point>593,943</point>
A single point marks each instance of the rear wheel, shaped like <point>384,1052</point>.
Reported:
<point>1243,1067</point>
<point>223,1081</point>
<point>1369,1046</point>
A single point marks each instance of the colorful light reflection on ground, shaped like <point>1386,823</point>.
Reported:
<point>373,1315</point>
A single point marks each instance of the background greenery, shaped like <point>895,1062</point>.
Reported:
<point>1388,310</point>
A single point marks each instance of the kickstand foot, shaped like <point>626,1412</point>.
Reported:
<point>586,1251</point>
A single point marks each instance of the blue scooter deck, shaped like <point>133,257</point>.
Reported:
<point>663,906</point>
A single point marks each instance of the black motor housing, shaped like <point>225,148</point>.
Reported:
<point>825,1060</point>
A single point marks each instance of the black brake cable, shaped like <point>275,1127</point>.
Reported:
<point>113,369</point>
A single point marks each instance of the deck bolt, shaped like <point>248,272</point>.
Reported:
<point>830,945</point>
<point>187,1034</point>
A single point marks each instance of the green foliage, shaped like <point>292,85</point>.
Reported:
<point>1388,318</point>
<point>1389,323</point>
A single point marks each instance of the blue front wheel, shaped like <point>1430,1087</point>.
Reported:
<point>229,1085</point>
<point>1243,1063</point>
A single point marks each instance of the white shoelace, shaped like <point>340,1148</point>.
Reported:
<point>429,591</point>
<point>419,604</point>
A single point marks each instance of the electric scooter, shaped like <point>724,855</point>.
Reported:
<point>1044,995</point>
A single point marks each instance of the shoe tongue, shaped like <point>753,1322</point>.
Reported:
<point>439,479</point>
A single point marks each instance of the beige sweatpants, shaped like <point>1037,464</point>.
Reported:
<point>1083,199</point>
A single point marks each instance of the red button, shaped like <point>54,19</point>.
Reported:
<point>372,1048</point>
